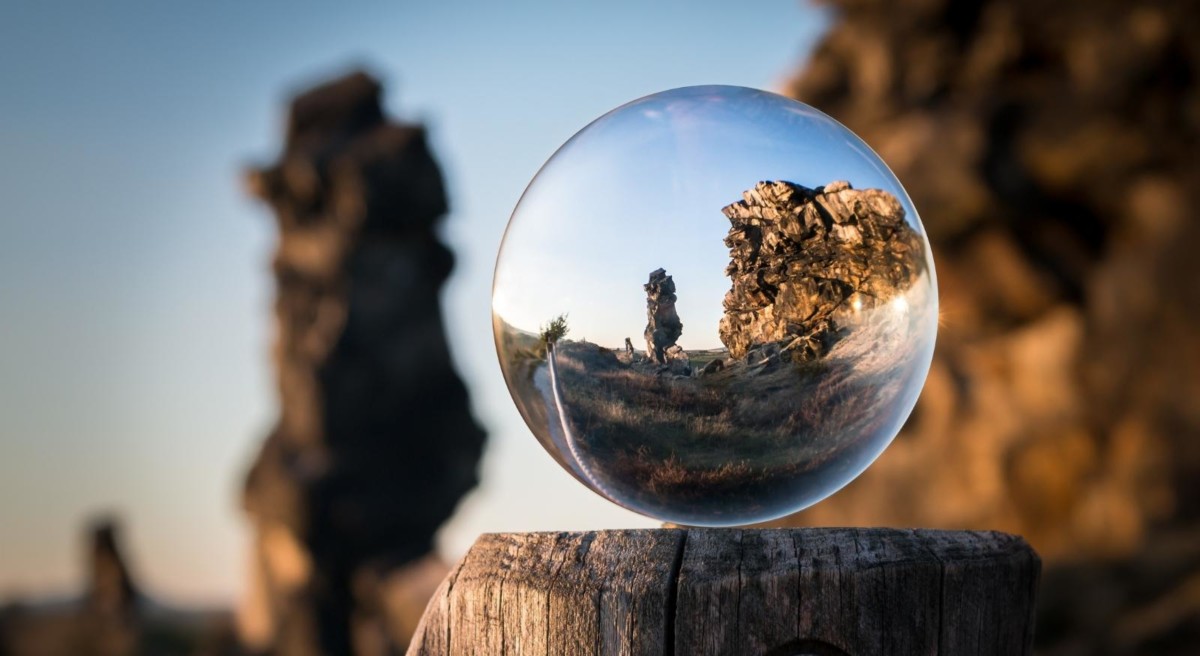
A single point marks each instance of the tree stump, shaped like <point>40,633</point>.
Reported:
<point>765,592</point>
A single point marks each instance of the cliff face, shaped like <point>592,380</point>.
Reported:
<point>1051,150</point>
<point>798,256</point>
<point>375,443</point>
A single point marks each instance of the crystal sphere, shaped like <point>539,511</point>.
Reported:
<point>715,306</point>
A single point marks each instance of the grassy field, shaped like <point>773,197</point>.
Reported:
<point>735,438</point>
<point>752,441</point>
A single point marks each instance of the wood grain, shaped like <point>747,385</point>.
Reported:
<point>761,592</point>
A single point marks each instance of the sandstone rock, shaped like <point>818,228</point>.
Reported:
<point>111,618</point>
<point>797,257</point>
<point>375,443</point>
<point>111,589</point>
<point>627,354</point>
<point>677,360</point>
<point>713,367</point>
<point>663,326</point>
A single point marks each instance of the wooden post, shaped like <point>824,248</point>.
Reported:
<point>761,592</point>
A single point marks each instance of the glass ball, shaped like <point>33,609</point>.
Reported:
<point>715,306</point>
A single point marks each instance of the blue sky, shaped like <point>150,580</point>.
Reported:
<point>134,371</point>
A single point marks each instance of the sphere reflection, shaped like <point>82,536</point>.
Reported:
<point>715,306</point>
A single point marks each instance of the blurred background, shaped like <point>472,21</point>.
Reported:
<point>232,238</point>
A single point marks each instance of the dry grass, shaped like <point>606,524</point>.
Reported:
<point>727,440</point>
<point>728,435</point>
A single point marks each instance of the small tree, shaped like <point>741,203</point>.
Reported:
<point>554,331</point>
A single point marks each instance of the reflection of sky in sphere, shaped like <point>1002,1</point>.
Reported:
<point>642,188</point>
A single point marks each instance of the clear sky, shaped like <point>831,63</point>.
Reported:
<point>134,370</point>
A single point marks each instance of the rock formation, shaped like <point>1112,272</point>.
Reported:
<point>663,327</point>
<point>112,617</point>
<point>1052,150</point>
<point>798,256</point>
<point>375,443</point>
<point>713,367</point>
<point>111,589</point>
<point>678,362</point>
<point>110,621</point>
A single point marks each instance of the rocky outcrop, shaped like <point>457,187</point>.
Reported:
<point>799,257</point>
<point>716,366</point>
<point>111,621</point>
<point>113,616</point>
<point>111,588</point>
<point>663,327</point>
<point>375,443</point>
<point>678,362</point>
<point>1052,150</point>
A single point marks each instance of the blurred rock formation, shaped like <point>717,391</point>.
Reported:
<point>1052,150</point>
<point>112,617</point>
<point>375,443</point>
<point>663,326</point>
<point>799,256</point>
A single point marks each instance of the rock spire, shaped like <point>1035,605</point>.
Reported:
<point>799,257</point>
<point>663,327</point>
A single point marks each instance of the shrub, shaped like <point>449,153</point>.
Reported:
<point>555,330</point>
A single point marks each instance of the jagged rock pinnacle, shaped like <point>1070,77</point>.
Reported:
<point>663,327</point>
<point>799,256</point>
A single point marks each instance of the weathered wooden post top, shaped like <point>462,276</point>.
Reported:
<point>784,350</point>
<point>761,592</point>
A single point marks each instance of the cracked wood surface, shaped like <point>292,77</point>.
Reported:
<point>761,592</point>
